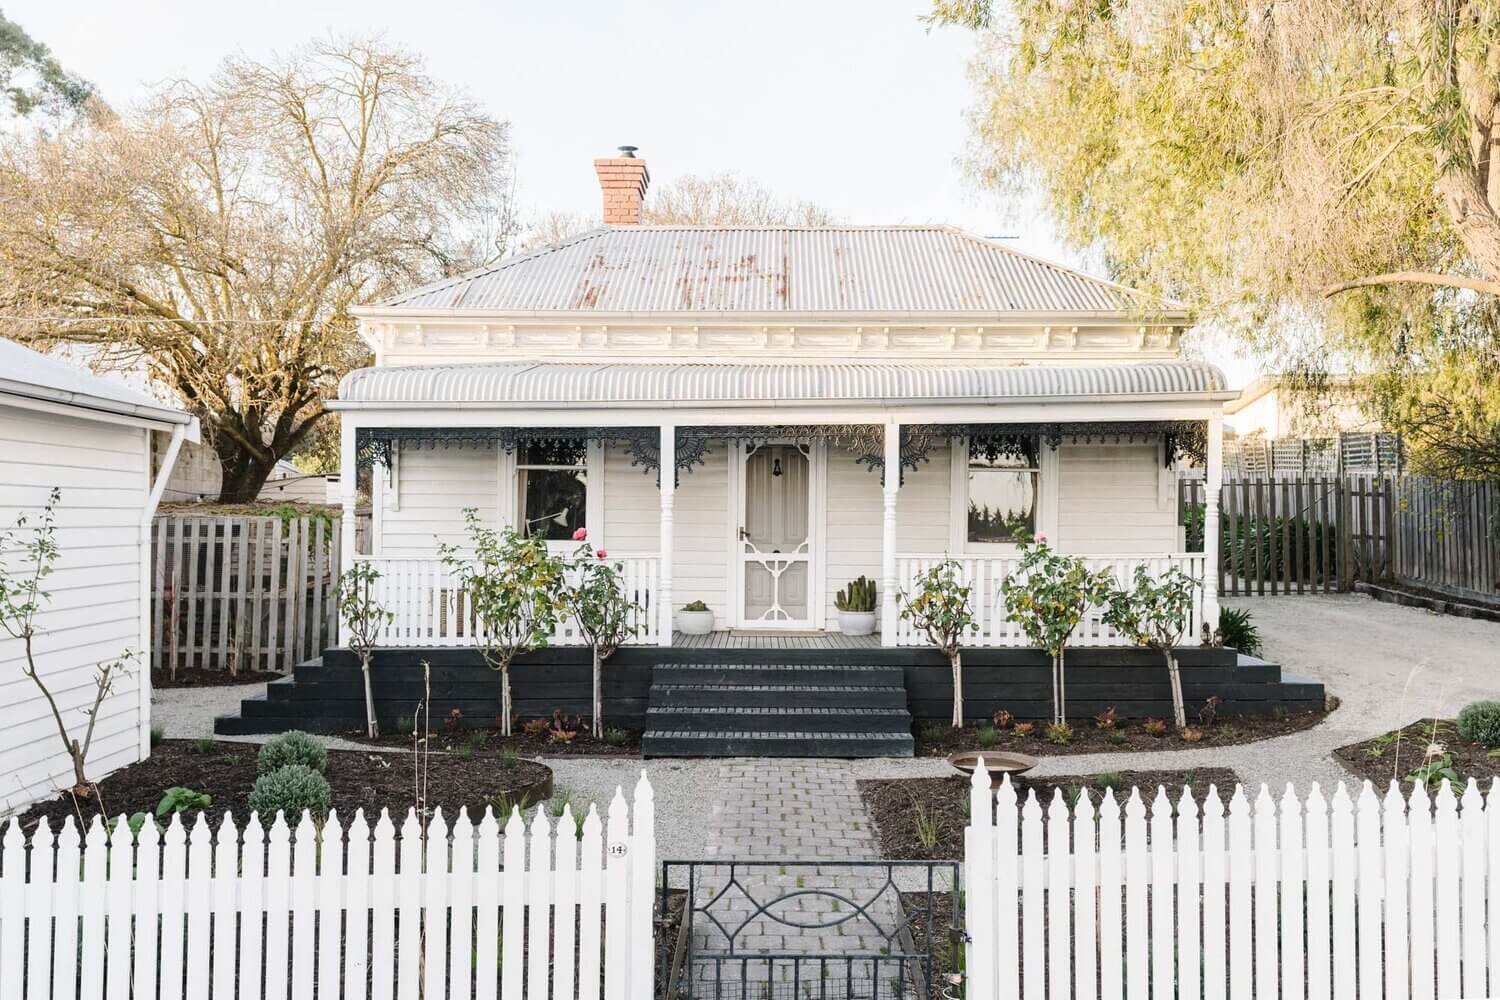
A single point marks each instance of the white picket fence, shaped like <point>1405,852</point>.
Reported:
<point>467,911</point>
<point>1306,900</point>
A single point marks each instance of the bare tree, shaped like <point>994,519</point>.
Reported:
<point>218,235</point>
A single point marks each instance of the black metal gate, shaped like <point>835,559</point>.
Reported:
<point>803,930</point>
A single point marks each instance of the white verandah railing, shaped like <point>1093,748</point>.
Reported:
<point>1301,898</point>
<point>430,608</point>
<point>368,911</point>
<point>992,627</point>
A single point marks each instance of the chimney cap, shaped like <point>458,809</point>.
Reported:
<point>628,151</point>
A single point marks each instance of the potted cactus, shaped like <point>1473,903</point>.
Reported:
<point>695,618</point>
<point>856,605</point>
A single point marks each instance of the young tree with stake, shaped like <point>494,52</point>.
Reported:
<point>596,597</point>
<point>514,587</point>
<point>1155,613</point>
<point>1048,595</point>
<point>363,617</point>
<point>939,606</point>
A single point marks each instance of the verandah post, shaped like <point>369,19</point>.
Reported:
<point>888,535</point>
<point>1213,481</point>
<point>667,472</point>
<point>348,480</point>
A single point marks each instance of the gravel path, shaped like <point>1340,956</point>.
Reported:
<point>1388,664</point>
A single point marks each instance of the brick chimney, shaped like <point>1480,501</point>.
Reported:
<point>624,179</point>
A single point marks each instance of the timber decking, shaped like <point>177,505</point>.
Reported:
<point>771,640</point>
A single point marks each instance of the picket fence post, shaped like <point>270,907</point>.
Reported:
<point>199,909</point>
<point>1365,896</point>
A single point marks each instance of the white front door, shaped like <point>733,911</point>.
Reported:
<point>775,540</point>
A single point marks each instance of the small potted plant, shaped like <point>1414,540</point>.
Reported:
<point>695,619</point>
<point>856,604</point>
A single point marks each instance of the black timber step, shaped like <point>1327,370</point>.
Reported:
<point>791,674</point>
<point>726,743</point>
<point>777,709</point>
<point>784,718</point>
<point>772,695</point>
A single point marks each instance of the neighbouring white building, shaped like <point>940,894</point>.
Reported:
<point>94,440</point>
<point>752,417</point>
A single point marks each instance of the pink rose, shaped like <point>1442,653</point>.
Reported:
<point>602,554</point>
<point>1041,538</point>
<point>580,534</point>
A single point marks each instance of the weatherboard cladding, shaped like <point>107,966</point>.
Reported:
<point>525,383</point>
<point>760,270</point>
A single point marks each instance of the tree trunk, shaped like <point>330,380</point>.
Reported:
<point>1474,220</point>
<point>505,700</point>
<point>1179,713</point>
<point>956,661</point>
<point>371,725</point>
<point>598,698</point>
<point>244,472</point>
<point>1059,689</point>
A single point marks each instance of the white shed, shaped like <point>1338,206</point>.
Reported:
<point>92,439</point>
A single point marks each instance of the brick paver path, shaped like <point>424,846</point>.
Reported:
<point>788,812</point>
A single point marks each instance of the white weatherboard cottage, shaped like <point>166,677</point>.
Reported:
<point>110,451</point>
<point>827,403</point>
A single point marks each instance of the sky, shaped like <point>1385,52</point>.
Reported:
<point>852,104</point>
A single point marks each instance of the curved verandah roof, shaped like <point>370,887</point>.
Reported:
<point>551,383</point>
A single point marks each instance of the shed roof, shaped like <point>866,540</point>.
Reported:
<point>24,372</point>
<point>528,383</point>
<point>853,269</point>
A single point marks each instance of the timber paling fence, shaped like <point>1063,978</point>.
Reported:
<point>242,593</point>
<point>467,910</point>
<point>1302,899</point>
<point>1319,534</point>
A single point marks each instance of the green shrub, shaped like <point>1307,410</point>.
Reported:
<point>1239,631</point>
<point>158,733</point>
<point>293,747</point>
<point>1480,722</point>
<point>987,736</point>
<point>616,737</point>
<point>178,799</point>
<point>695,606</point>
<point>290,790</point>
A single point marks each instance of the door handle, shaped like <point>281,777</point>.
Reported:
<point>744,535</point>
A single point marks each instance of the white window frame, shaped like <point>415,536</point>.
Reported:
<point>511,509</point>
<point>958,516</point>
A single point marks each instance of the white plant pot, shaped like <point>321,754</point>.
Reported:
<point>857,622</point>
<point>695,622</point>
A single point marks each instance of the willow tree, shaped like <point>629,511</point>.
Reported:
<point>217,235</point>
<point>1318,176</point>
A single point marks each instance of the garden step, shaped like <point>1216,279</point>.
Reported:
<point>771,695</point>
<point>811,743</point>
<point>779,718</point>
<point>777,673</point>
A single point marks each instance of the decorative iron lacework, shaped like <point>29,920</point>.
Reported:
<point>643,444</point>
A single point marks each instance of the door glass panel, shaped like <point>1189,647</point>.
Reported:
<point>776,590</point>
<point>775,539</point>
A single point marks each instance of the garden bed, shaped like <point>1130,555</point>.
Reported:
<point>1126,736</point>
<point>1400,752</point>
<point>368,781</point>
<point>617,742</point>
<point>924,818</point>
<point>197,677</point>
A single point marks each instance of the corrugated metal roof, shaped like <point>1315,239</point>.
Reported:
<point>760,270</point>
<point>25,372</point>
<point>524,383</point>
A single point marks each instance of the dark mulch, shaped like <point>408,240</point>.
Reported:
<point>368,781</point>
<point>192,677</point>
<point>924,818</point>
<point>626,742</point>
<point>946,953</point>
<point>1400,752</point>
<point>935,739</point>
